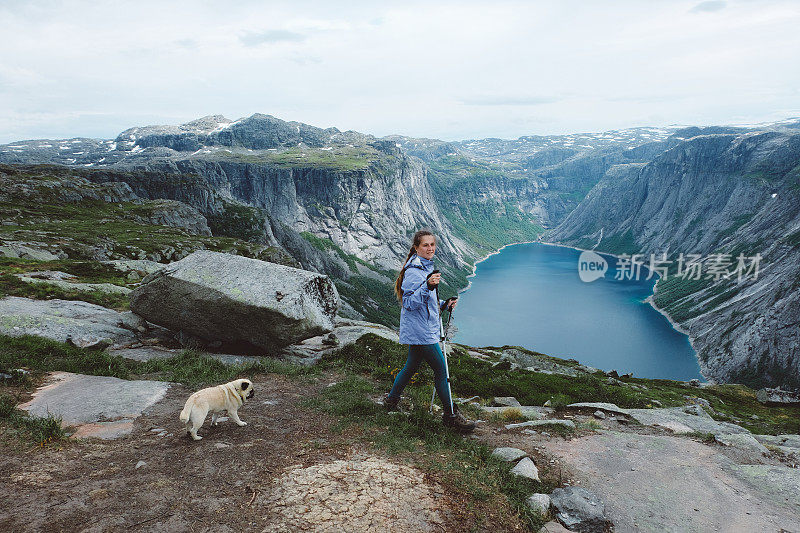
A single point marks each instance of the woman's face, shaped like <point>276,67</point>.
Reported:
<point>427,246</point>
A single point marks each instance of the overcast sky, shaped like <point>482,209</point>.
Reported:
<point>450,70</point>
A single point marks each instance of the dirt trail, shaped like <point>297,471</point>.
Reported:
<point>235,479</point>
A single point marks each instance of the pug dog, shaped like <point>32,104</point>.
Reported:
<point>227,397</point>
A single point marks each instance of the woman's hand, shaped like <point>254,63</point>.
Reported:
<point>434,279</point>
<point>451,303</point>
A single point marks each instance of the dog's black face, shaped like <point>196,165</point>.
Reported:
<point>245,386</point>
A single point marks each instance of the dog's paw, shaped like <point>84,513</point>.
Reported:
<point>241,424</point>
<point>197,437</point>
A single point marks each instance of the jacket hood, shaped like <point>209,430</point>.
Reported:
<point>418,262</point>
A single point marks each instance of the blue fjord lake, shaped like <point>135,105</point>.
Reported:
<point>530,295</point>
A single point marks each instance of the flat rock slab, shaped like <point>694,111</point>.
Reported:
<point>671,483</point>
<point>108,288</point>
<point>789,441</point>
<point>750,450</point>
<point>358,495</point>
<point>547,422</point>
<point>60,320</point>
<point>98,406</point>
<point>676,419</point>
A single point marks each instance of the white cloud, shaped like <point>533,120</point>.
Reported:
<point>450,70</point>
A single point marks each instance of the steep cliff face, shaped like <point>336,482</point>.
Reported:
<point>367,212</point>
<point>722,193</point>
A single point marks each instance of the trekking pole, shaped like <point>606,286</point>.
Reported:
<point>445,332</point>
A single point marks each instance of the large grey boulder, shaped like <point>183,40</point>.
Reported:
<point>223,297</point>
<point>580,510</point>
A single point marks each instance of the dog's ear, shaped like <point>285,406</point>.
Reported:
<point>245,385</point>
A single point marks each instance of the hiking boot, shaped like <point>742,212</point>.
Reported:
<point>390,404</point>
<point>457,421</point>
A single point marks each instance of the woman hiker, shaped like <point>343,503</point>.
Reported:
<point>416,288</point>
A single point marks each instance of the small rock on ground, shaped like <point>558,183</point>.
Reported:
<point>554,527</point>
<point>509,454</point>
<point>580,509</point>
<point>539,504</point>
<point>505,401</point>
<point>526,468</point>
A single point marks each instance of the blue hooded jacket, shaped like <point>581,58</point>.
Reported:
<point>419,317</point>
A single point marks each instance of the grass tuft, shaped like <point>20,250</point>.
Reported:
<point>41,430</point>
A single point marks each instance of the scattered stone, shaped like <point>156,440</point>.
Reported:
<point>50,275</point>
<point>527,469</point>
<point>546,422</point>
<point>330,340</point>
<point>580,510</point>
<point>677,419</point>
<point>221,445</point>
<point>610,407</point>
<point>502,365</point>
<point>554,527</point>
<point>505,401</point>
<point>769,396</point>
<point>612,374</point>
<point>347,332</point>
<point>139,465</point>
<point>694,383</point>
<point>141,267</point>
<point>509,454</point>
<point>219,296</point>
<point>90,343</point>
<point>548,403</point>
<point>539,504</point>
<point>20,251</point>
<point>599,414</point>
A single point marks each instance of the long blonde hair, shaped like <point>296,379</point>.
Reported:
<point>398,283</point>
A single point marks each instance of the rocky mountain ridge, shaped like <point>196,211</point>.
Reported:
<point>714,193</point>
<point>345,203</point>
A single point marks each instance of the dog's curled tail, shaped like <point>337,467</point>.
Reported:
<point>187,412</point>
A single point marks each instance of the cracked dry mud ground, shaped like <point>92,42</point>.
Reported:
<point>275,474</point>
